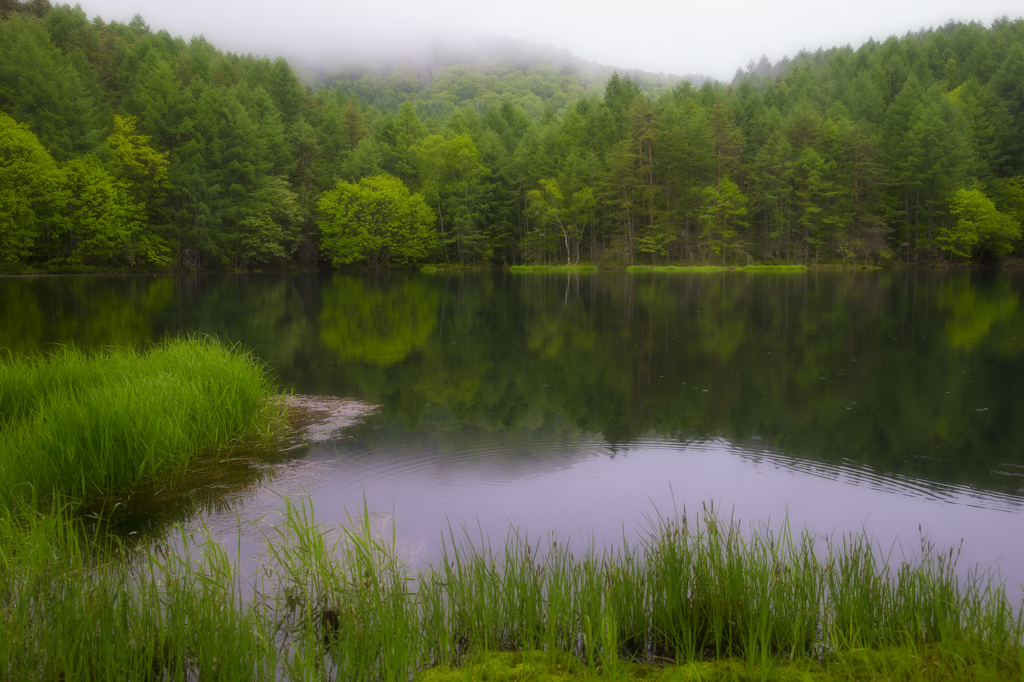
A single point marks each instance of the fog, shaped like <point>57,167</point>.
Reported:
<point>660,36</point>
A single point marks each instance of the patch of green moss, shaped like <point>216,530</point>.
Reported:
<point>918,665</point>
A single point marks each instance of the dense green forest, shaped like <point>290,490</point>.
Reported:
<point>125,148</point>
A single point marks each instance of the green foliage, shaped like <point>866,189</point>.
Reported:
<point>842,157</point>
<point>724,209</point>
<point>78,425</point>
<point>139,166</point>
<point>270,221</point>
<point>453,178</point>
<point>98,217</point>
<point>702,595</point>
<point>55,94</point>
<point>978,224</point>
<point>375,221</point>
<point>29,187</point>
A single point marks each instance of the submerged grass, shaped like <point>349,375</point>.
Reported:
<point>79,424</point>
<point>774,268</point>
<point>336,603</point>
<point>676,268</point>
<point>553,268</point>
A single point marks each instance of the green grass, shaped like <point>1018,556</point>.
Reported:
<point>676,268</point>
<point>428,269</point>
<point>77,424</point>
<point>774,268</point>
<point>541,666</point>
<point>553,268</point>
<point>337,603</point>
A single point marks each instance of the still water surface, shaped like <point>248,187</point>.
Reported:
<point>586,404</point>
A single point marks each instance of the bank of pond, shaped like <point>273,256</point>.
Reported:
<point>698,597</point>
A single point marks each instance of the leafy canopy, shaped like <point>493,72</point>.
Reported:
<point>376,220</point>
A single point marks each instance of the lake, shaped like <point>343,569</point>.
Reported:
<point>586,405</point>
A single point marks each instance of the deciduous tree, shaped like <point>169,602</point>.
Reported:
<point>376,221</point>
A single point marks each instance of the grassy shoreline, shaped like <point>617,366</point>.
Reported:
<point>697,599</point>
<point>76,424</point>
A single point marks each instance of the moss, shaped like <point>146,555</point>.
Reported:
<point>923,665</point>
<point>536,666</point>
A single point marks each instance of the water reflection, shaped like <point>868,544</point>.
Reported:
<point>89,312</point>
<point>904,384</point>
<point>976,309</point>
<point>378,321</point>
<point>586,490</point>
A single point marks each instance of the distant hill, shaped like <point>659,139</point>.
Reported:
<point>440,78</point>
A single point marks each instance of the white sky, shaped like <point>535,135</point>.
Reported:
<point>712,38</point>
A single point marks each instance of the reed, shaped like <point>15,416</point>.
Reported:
<point>676,268</point>
<point>552,268</point>
<point>80,424</point>
<point>336,603</point>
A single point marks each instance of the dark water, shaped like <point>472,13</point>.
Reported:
<point>587,403</point>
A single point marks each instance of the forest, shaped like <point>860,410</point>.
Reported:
<point>124,148</point>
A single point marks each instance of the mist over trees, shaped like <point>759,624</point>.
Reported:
<point>121,147</point>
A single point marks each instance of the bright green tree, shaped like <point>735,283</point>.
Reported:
<point>978,223</point>
<point>29,188</point>
<point>141,168</point>
<point>375,220</point>
<point>99,219</point>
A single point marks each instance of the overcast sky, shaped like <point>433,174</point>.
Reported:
<point>708,37</point>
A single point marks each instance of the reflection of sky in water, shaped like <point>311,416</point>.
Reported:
<point>586,489</point>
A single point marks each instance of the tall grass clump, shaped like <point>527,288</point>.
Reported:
<point>691,592</point>
<point>71,609</point>
<point>338,603</point>
<point>80,424</point>
<point>676,268</point>
<point>774,268</point>
<point>552,268</point>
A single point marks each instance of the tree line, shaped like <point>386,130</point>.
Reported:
<point>121,147</point>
